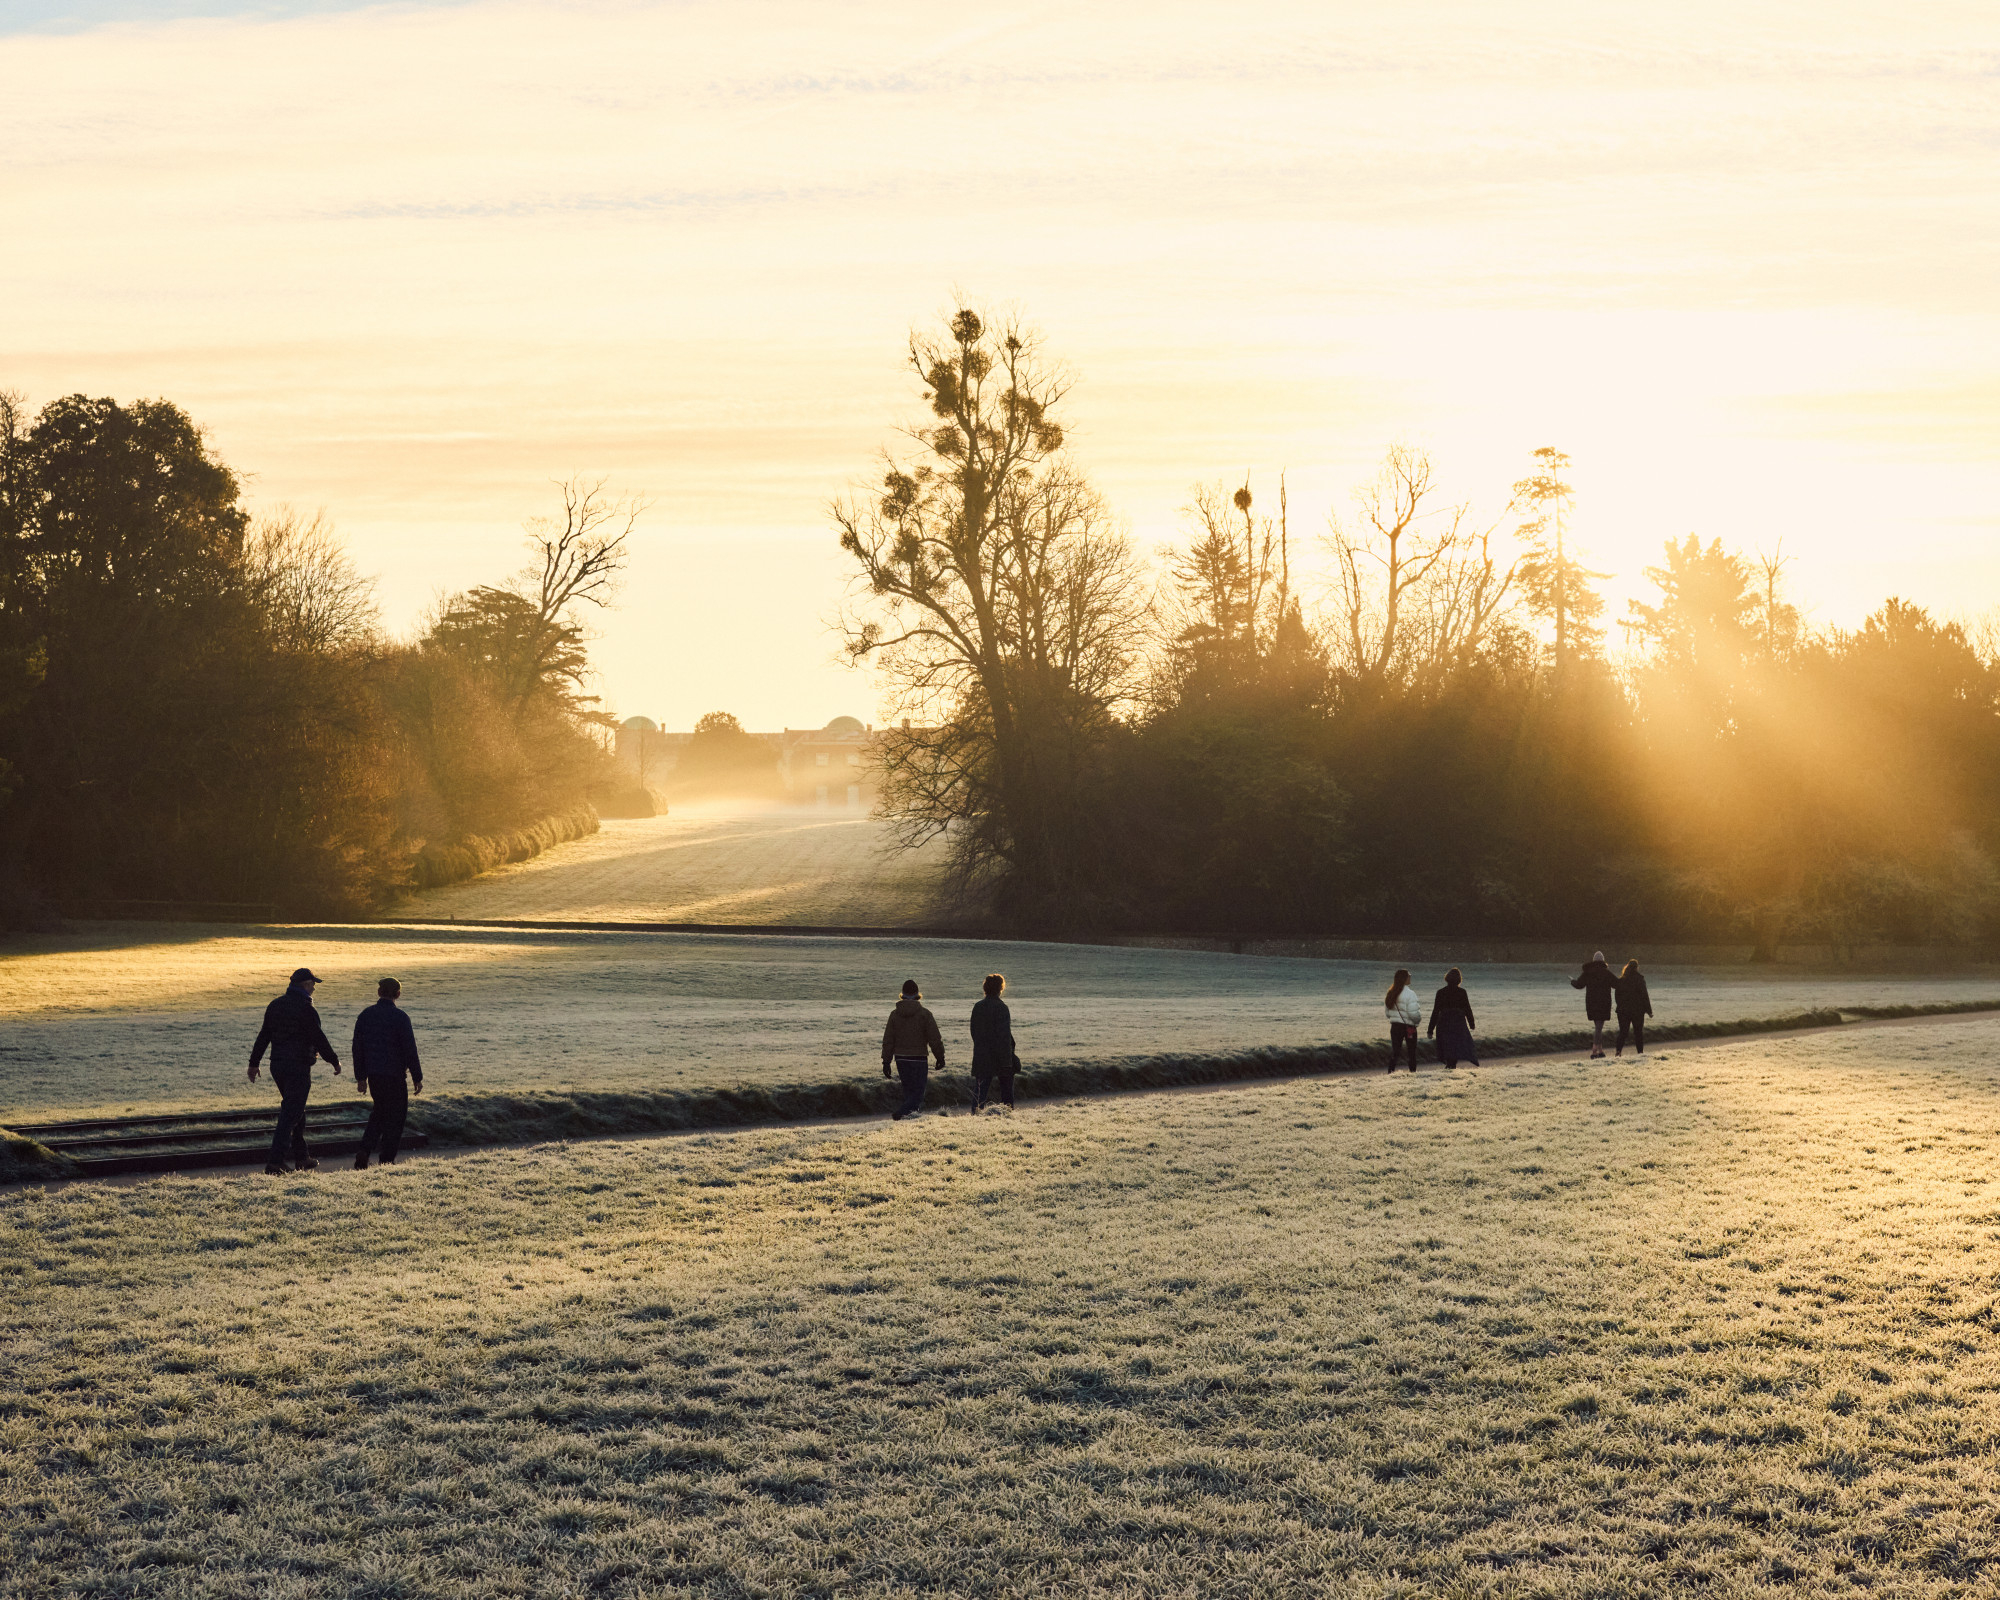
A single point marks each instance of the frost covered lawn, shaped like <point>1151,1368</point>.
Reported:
<point>1722,1322</point>
<point>130,1016</point>
<point>714,864</point>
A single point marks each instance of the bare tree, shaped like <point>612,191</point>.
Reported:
<point>1396,541</point>
<point>997,596</point>
<point>313,595</point>
<point>579,557</point>
<point>1780,619</point>
<point>1465,593</point>
<point>529,633</point>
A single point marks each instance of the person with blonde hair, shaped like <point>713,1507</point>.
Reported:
<point>1635,1005</point>
<point>1404,1011</point>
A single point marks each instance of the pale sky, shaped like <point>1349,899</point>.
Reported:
<point>409,263</point>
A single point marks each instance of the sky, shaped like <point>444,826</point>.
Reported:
<point>410,264</point>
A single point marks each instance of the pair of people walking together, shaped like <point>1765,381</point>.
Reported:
<point>1451,1021</point>
<point>385,1049</point>
<point>912,1038</point>
<point>1602,994</point>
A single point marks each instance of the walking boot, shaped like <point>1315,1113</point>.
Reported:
<point>361,1162</point>
<point>305,1164</point>
<point>275,1169</point>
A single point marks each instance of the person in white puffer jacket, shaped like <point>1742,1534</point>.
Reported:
<point>1405,1012</point>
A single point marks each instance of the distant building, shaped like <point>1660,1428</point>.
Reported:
<point>834,767</point>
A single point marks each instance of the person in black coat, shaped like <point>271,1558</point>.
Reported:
<point>385,1048</point>
<point>1635,1005</point>
<point>294,1037</point>
<point>1451,1022</point>
<point>993,1058</point>
<point>1597,985</point>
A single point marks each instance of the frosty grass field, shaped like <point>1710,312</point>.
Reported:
<point>1721,1321</point>
<point>712,864</point>
<point>1722,1324</point>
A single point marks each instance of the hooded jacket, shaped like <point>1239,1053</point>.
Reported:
<point>292,1033</point>
<point>1597,984</point>
<point>911,1031</point>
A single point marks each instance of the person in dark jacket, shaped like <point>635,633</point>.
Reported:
<point>1451,1022</point>
<point>912,1031</point>
<point>1597,985</point>
<point>993,1058</point>
<point>292,1034</point>
<point>1635,1005</point>
<point>385,1048</point>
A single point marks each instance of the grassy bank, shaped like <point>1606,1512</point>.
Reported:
<point>505,1118</point>
<point>1719,1326</point>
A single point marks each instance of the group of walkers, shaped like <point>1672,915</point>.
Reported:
<point>1451,1021</point>
<point>387,1067</point>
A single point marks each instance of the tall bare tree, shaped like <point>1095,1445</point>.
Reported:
<point>531,632</point>
<point>998,597</point>
<point>1397,538</point>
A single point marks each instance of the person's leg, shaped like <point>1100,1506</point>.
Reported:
<point>1007,1090</point>
<point>914,1071</point>
<point>980,1088</point>
<point>1639,1033</point>
<point>395,1111</point>
<point>288,1140</point>
<point>1596,1037</point>
<point>1624,1028</point>
<point>371,1136</point>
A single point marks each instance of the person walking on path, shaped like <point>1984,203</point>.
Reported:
<point>1405,1011</point>
<point>292,1034</point>
<point>1635,1005</point>
<point>1451,1022</point>
<point>1597,985</point>
<point>993,1057</point>
<point>385,1048</point>
<point>911,1034</point>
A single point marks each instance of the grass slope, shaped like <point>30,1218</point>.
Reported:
<point>1722,1322</point>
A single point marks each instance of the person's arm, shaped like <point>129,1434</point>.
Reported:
<point>358,1051</point>
<point>1007,1026</point>
<point>1580,983</point>
<point>1431,1031</point>
<point>1646,994</point>
<point>320,1044</point>
<point>409,1031</point>
<point>263,1043</point>
<point>934,1039</point>
<point>1469,1023</point>
<point>888,1043</point>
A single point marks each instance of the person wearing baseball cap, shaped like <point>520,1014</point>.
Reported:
<point>293,1035</point>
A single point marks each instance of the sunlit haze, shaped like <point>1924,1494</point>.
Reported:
<point>410,263</point>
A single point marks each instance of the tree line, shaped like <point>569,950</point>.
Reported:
<point>201,705</point>
<point>1433,740</point>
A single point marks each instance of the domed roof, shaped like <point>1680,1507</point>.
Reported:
<point>640,725</point>
<point>846,725</point>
